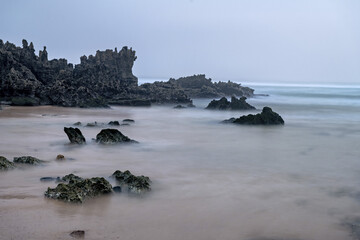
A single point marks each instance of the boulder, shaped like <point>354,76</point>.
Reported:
<point>135,184</point>
<point>5,164</point>
<point>234,104</point>
<point>77,190</point>
<point>74,135</point>
<point>266,117</point>
<point>78,234</point>
<point>114,123</point>
<point>28,160</point>
<point>111,136</point>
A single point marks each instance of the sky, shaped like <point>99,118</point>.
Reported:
<point>295,41</point>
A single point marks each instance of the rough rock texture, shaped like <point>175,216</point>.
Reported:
<point>77,189</point>
<point>5,164</point>
<point>266,117</point>
<point>111,136</point>
<point>135,184</point>
<point>235,104</point>
<point>74,135</point>
<point>78,234</point>
<point>28,160</point>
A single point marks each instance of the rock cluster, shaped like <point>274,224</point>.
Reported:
<point>5,164</point>
<point>98,81</point>
<point>266,117</point>
<point>135,184</point>
<point>234,104</point>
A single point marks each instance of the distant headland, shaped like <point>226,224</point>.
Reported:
<point>27,79</point>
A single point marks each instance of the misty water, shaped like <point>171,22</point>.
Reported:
<point>209,180</point>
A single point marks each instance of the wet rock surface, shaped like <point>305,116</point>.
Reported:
<point>266,117</point>
<point>28,160</point>
<point>234,104</point>
<point>114,123</point>
<point>77,190</point>
<point>74,135</point>
<point>135,184</point>
<point>112,136</point>
<point>5,164</point>
<point>78,234</point>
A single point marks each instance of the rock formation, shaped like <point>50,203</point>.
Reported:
<point>28,160</point>
<point>135,184</point>
<point>98,81</point>
<point>112,136</point>
<point>266,117</point>
<point>235,104</point>
<point>74,135</point>
<point>5,164</point>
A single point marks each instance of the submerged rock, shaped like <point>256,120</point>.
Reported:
<point>135,184</point>
<point>28,160</point>
<point>77,190</point>
<point>93,124</point>
<point>5,164</point>
<point>77,124</point>
<point>128,120</point>
<point>74,135</point>
<point>266,117</point>
<point>50,179</point>
<point>114,123</point>
<point>111,136</point>
<point>179,106</point>
<point>78,234</point>
<point>234,104</point>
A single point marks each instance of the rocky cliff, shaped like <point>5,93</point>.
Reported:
<point>100,80</point>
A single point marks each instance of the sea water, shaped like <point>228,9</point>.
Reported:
<point>209,180</point>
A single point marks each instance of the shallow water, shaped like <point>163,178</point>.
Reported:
<point>210,180</point>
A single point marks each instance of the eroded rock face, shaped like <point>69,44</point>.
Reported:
<point>77,190</point>
<point>74,135</point>
<point>112,136</point>
<point>28,160</point>
<point>266,117</point>
<point>5,164</point>
<point>234,104</point>
<point>135,184</point>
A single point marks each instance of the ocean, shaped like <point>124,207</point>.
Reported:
<point>209,180</point>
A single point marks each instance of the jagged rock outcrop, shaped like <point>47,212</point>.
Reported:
<point>77,189</point>
<point>112,136</point>
<point>135,184</point>
<point>74,135</point>
<point>266,117</point>
<point>5,164</point>
<point>28,160</point>
<point>98,81</point>
<point>234,104</point>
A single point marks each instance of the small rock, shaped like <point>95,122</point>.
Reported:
<point>111,136</point>
<point>49,179</point>
<point>28,160</point>
<point>179,106</point>
<point>235,104</point>
<point>114,123</point>
<point>128,120</point>
<point>94,124</point>
<point>135,184</point>
<point>77,124</point>
<point>60,157</point>
<point>5,164</point>
<point>266,117</point>
<point>78,234</point>
<point>74,135</point>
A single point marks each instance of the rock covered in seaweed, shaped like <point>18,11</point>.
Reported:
<point>266,117</point>
<point>135,184</point>
<point>74,135</point>
<point>77,189</point>
<point>112,136</point>
<point>28,160</point>
<point>234,104</point>
<point>5,164</point>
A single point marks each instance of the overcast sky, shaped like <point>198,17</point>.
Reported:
<point>241,40</point>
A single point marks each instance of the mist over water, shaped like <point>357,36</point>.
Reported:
<point>210,180</point>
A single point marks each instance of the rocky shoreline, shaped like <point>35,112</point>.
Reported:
<point>99,80</point>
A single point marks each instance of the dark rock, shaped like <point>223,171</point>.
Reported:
<point>71,178</point>
<point>266,117</point>
<point>5,164</point>
<point>114,123</point>
<point>117,189</point>
<point>78,234</point>
<point>179,106</point>
<point>77,124</point>
<point>74,135</point>
<point>111,136</point>
<point>235,104</point>
<point>130,102</point>
<point>50,179</point>
<point>128,120</point>
<point>77,191</point>
<point>60,157</point>
<point>28,160</point>
<point>94,124</point>
<point>135,184</point>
